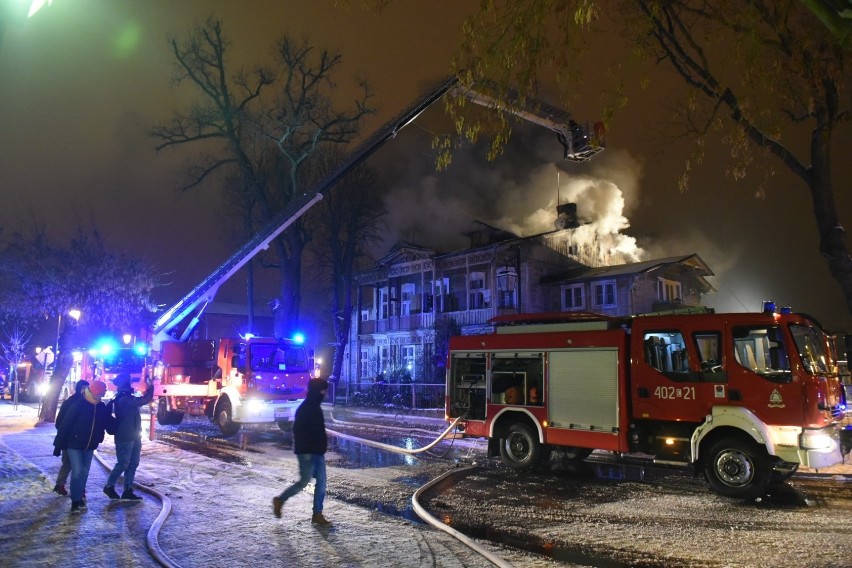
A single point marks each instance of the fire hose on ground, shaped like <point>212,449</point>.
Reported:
<point>418,508</point>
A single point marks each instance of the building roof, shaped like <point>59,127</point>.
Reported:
<point>692,262</point>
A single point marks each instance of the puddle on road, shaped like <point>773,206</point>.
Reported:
<point>216,449</point>
<point>355,455</point>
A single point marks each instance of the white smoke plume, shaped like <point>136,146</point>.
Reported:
<point>518,193</point>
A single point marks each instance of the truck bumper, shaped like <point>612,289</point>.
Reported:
<point>817,448</point>
<point>265,411</point>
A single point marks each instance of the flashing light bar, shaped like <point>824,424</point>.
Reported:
<point>770,307</point>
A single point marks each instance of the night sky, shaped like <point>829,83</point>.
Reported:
<point>83,81</point>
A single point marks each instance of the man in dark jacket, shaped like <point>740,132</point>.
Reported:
<point>310,444</point>
<point>128,435</point>
<point>79,433</point>
<point>65,468</point>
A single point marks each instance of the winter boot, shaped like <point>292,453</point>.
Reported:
<point>277,503</point>
<point>76,507</point>
<point>60,489</point>
<point>111,493</point>
<point>318,519</point>
<point>129,495</point>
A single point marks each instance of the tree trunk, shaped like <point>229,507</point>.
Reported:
<point>832,235</point>
<point>61,368</point>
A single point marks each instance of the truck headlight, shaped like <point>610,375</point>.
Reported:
<point>42,389</point>
<point>254,405</point>
<point>815,440</point>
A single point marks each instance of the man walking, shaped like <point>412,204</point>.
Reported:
<point>79,433</point>
<point>65,468</point>
<point>128,436</point>
<point>310,443</point>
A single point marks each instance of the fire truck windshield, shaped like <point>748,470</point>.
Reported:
<point>811,344</point>
<point>124,360</point>
<point>281,357</point>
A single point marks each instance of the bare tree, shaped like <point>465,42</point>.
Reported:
<point>264,124</point>
<point>348,221</point>
<point>789,74</point>
<point>43,279</point>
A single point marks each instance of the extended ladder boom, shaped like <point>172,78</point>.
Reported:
<point>199,297</point>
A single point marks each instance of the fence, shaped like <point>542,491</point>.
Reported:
<point>420,396</point>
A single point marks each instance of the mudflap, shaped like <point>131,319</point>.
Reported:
<point>846,440</point>
<point>493,447</point>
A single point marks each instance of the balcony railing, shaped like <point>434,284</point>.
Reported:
<point>414,322</point>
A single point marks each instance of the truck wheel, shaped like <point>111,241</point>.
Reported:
<point>166,417</point>
<point>735,468</point>
<point>520,448</point>
<point>224,418</point>
<point>285,425</point>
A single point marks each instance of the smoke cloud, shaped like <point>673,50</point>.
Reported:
<point>518,193</point>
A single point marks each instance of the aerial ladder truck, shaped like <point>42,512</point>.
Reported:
<point>237,381</point>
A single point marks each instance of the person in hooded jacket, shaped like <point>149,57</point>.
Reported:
<point>310,443</point>
<point>65,468</point>
<point>128,435</point>
<point>79,433</point>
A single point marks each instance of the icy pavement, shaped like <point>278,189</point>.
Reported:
<point>220,516</point>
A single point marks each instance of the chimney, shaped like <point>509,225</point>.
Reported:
<point>566,216</point>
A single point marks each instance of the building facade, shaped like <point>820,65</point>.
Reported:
<point>414,293</point>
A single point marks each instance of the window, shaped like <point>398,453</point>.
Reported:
<point>709,346</point>
<point>507,282</point>
<point>666,351</point>
<point>480,297</point>
<point>407,297</point>
<point>384,307</point>
<point>283,357</point>
<point>761,350</point>
<point>441,288</point>
<point>811,346</point>
<point>384,359</point>
<point>513,376</point>
<point>365,362</point>
<point>604,294</point>
<point>409,352</point>
<point>573,297</point>
<point>669,290</point>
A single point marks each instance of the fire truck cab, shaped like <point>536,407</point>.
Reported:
<point>233,381</point>
<point>744,399</point>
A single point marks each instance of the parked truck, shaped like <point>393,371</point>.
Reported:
<point>233,381</point>
<point>742,398</point>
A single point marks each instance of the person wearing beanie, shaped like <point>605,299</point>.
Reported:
<point>310,443</point>
<point>79,433</point>
<point>65,468</point>
<point>128,435</point>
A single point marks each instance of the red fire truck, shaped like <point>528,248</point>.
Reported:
<point>743,398</point>
<point>231,380</point>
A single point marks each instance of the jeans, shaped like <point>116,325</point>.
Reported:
<point>80,460</point>
<point>310,466</point>
<point>64,469</point>
<point>126,460</point>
